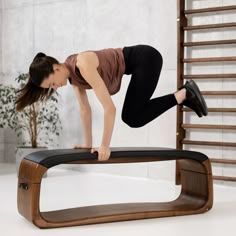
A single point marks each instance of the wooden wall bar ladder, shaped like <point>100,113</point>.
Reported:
<point>182,46</point>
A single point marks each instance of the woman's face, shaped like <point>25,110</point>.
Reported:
<point>57,79</point>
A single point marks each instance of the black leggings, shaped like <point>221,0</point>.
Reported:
<point>144,63</point>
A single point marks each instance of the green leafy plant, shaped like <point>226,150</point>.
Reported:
<point>38,124</point>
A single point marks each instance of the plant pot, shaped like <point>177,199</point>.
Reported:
<point>21,152</point>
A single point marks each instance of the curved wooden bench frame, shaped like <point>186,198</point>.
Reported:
<point>196,194</point>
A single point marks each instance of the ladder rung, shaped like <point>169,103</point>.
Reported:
<point>209,76</point>
<point>214,110</point>
<point>224,178</point>
<point>209,59</point>
<point>223,161</point>
<point>204,43</point>
<point>200,126</point>
<point>209,143</point>
<point>210,9</point>
<point>219,93</point>
<point>211,26</point>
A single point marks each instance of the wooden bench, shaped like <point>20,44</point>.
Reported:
<point>196,192</point>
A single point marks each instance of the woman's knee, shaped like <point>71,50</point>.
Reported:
<point>131,121</point>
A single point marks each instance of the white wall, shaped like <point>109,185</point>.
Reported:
<point>62,27</point>
<point>2,144</point>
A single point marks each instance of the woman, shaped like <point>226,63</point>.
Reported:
<point>102,71</point>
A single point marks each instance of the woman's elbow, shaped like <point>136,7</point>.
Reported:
<point>111,109</point>
<point>85,110</point>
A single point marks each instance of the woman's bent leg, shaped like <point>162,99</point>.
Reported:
<point>144,63</point>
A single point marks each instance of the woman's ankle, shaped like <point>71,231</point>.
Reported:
<point>180,95</point>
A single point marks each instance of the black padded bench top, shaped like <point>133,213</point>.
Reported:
<point>50,158</point>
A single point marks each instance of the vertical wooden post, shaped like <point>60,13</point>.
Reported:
<point>180,132</point>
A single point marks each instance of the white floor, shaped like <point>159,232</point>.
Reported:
<point>63,189</point>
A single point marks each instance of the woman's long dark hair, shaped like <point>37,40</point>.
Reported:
<point>40,68</point>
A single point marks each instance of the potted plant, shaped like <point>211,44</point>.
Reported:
<point>36,126</point>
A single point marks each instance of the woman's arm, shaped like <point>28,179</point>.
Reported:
<point>86,116</point>
<point>88,64</point>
